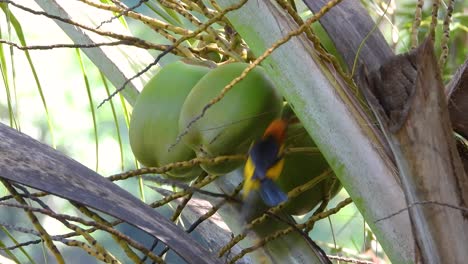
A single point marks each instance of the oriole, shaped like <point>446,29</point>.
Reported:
<point>265,164</point>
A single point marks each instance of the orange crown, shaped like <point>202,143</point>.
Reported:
<point>277,129</point>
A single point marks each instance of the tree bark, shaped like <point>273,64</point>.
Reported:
<point>457,92</point>
<point>353,32</point>
<point>408,98</point>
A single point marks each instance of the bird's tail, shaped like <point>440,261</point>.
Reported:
<point>271,194</point>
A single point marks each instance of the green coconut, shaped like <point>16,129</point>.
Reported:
<point>229,126</point>
<point>154,124</point>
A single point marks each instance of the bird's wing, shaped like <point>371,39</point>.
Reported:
<point>264,155</point>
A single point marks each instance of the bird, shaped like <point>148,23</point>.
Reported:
<point>265,163</point>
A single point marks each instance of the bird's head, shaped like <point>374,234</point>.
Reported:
<point>277,130</point>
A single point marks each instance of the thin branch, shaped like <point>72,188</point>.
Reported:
<point>291,194</point>
<point>318,250</point>
<point>349,260</point>
<point>175,165</point>
<point>110,230</point>
<point>174,196</point>
<point>416,24</point>
<point>190,189</point>
<point>196,22</point>
<point>55,46</point>
<point>283,232</point>
<point>122,13</point>
<point>463,209</point>
<point>35,222</point>
<point>434,19</point>
<point>123,244</point>
<point>147,68</point>
<point>208,214</point>
<point>150,21</point>
<point>186,200</point>
<point>72,243</point>
<point>446,34</point>
<point>136,41</point>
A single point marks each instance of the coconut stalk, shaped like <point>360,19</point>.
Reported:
<point>342,132</point>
